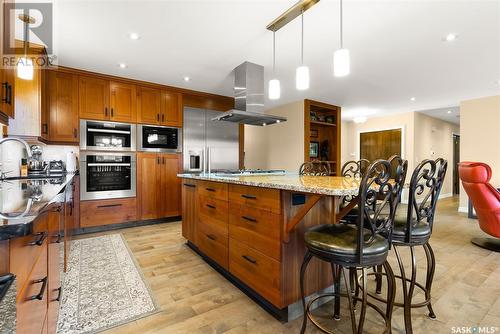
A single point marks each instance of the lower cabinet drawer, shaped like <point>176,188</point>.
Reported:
<point>106,212</point>
<point>213,242</point>
<point>258,228</point>
<point>213,211</point>
<point>32,299</point>
<point>24,252</point>
<point>258,271</point>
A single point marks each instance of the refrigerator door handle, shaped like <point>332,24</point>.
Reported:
<point>203,169</point>
<point>209,160</point>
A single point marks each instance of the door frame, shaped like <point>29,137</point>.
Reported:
<point>403,138</point>
<point>453,134</point>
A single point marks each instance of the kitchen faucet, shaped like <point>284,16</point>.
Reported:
<point>19,140</point>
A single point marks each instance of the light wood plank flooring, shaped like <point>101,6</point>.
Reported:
<point>195,299</point>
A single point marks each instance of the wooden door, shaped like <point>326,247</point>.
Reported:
<point>172,109</point>
<point>379,144</point>
<point>123,102</point>
<point>148,185</point>
<point>94,98</point>
<point>170,185</point>
<point>189,209</point>
<point>149,108</point>
<point>62,107</point>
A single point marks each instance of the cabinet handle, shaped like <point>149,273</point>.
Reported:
<point>106,111</point>
<point>210,189</point>
<point>59,292</point>
<point>163,117</point>
<point>45,128</point>
<point>250,219</point>
<point>39,241</point>
<point>190,185</point>
<point>158,160</point>
<point>249,259</point>
<point>211,206</point>
<point>248,196</point>
<point>109,205</point>
<point>5,87</point>
<point>59,238</point>
<point>163,160</point>
<point>39,296</point>
<point>75,133</point>
<point>9,95</point>
<point>112,112</point>
<point>157,117</point>
<point>211,237</point>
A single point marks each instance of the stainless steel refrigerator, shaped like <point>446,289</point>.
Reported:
<point>209,145</point>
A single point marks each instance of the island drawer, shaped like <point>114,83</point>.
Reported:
<point>215,190</point>
<point>258,271</point>
<point>25,251</point>
<point>214,243</point>
<point>213,211</point>
<point>106,212</point>
<point>32,299</point>
<point>257,228</point>
<point>261,198</point>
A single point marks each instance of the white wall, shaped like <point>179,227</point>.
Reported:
<point>278,146</point>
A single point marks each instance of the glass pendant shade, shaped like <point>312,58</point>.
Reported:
<point>25,68</point>
<point>341,63</point>
<point>274,89</point>
<point>302,78</point>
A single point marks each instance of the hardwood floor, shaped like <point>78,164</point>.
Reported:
<point>195,299</point>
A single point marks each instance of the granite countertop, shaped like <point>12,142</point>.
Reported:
<point>22,200</point>
<point>322,185</point>
<point>8,293</point>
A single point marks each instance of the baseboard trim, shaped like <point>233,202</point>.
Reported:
<point>463,209</point>
<point>104,228</point>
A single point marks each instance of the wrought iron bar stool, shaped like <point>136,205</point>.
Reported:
<point>415,229</point>
<point>315,168</point>
<point>345,246</point>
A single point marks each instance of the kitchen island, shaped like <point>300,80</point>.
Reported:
<point>250,228</point>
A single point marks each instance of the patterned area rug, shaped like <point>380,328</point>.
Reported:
<point>103,287</point>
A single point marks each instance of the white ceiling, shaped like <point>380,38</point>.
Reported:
<point>451,114</point>
<point>397,48</point>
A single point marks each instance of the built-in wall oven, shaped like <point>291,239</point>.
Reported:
<point>106,175</point>
<point>107,136</point>
<point>154,138</point>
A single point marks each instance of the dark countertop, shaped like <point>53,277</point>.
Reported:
<point>22,200</point>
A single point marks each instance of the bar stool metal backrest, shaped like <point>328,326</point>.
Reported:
<point>425,186</point>
<point>378,198</point>
<point>315,168</point>
<point>355,169</point>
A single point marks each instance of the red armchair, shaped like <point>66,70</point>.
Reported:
<point>485,199</point>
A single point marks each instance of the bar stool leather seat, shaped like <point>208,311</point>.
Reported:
<point>421,231</point>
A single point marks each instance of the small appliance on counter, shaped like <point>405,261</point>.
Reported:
<point>36,166</point>
<point>56,167</point>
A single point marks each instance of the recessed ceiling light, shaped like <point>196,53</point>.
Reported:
<point>360,119</point>
<point>122,65</point>
<point>187,79</point>
<point>134,36</point>
<point>449,111</point>
<point>412,99</point>
<point>450,37</point>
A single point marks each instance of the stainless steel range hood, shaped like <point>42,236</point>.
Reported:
<point>249,98</point>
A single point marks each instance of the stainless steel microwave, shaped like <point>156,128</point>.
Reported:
<point>107,136</point>
<point>154,138</point>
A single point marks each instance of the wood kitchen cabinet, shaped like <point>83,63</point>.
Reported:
<point>101,99</point>
<point>189,209</point>
<point>62,121</point>
<point>7,75</point>
<point>158,107</point>
<point>158,188</point>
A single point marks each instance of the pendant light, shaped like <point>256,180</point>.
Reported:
<point>341,57</point>
<point>25,65</point>
<point>302,72</point>
<point>274,84</point>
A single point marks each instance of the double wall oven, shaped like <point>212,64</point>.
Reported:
<point>107,160</point>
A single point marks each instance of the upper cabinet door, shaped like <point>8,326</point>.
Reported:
<point>62,107</point>
<point>172,109</point>
<point>123,102</point>
<point>94,98</point>
<point>149,109</point>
